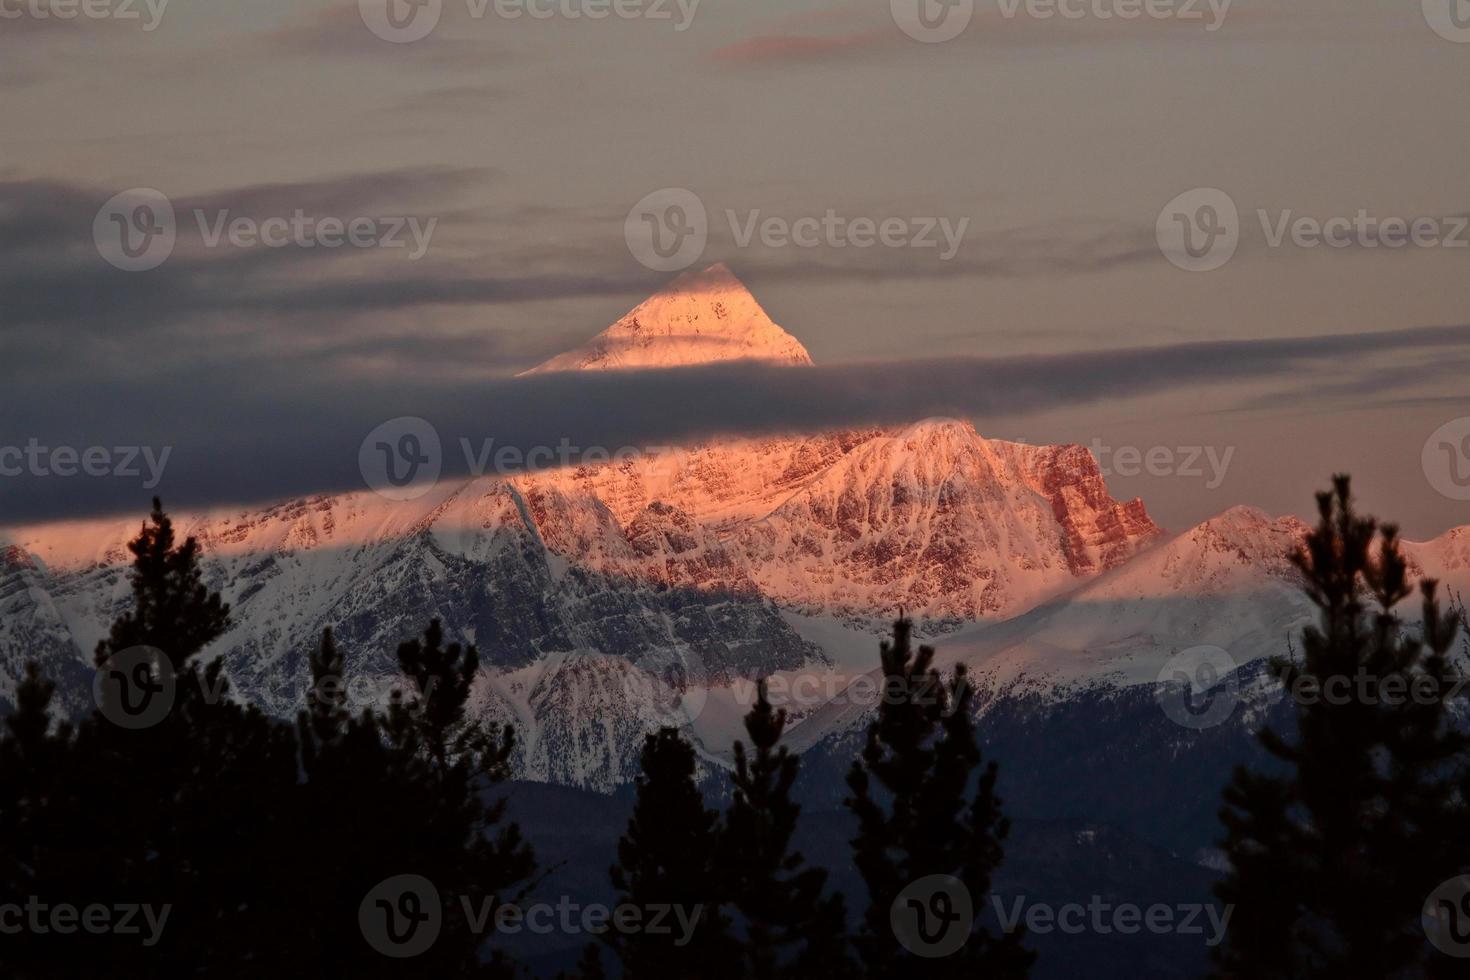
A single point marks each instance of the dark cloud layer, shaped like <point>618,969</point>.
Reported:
<point>270,435</point>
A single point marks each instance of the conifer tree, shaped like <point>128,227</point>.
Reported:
<point>434,720</point>
<point>326,717</point>
<point>407,792</point>
<point>668,858</point>
<point>36,775</point>
<point>1332,861</point>
<point>790,929</point>
<point>197,802</point>
<point>925,806</point>
<point>172,609</point>
<point>261,841</point>
<point>175,808</point>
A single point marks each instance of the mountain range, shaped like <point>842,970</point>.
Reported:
<point>605,599</point>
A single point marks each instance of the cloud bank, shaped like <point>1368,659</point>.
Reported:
<point>273,434</point>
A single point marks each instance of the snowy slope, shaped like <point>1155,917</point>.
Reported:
<point>1226,583</point>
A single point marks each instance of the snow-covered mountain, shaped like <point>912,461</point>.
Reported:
<point>703,317</point>
<point>1068,694</point>
<point>608,599</point>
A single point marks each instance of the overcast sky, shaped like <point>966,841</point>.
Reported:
<point>523,143</point>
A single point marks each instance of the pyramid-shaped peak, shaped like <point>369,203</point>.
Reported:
<point>702,317</point>
<point>716,277</point>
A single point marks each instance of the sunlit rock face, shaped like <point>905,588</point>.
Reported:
<point>701,318</point>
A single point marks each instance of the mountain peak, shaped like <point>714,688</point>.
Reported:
<point>718,274</point>
<point>702,317</point>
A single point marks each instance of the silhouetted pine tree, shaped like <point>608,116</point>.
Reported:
<point>933,811</point>
<point>1331,864</point>
<point>343,760</point>
<point>198,803</point>
<point>408,792</point>
<point>262,840</point>
<point>182,813</point>
<point>326,717</point>
<point>36,808</point>
<point>666,858</point>
<point>173,610</point>
<point>465,758</point>
<point>434,722</point>
<point>790,930</point>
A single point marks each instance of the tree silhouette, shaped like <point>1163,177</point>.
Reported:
<point>178,814</point>
<point>260,841</point>
<point>1331,863</point>
<point>933,811</point>
<point>790,930</point>
<point>668,858</point>
<point>37,810</point>
<point>172,609</point>
<point>406,792</point>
